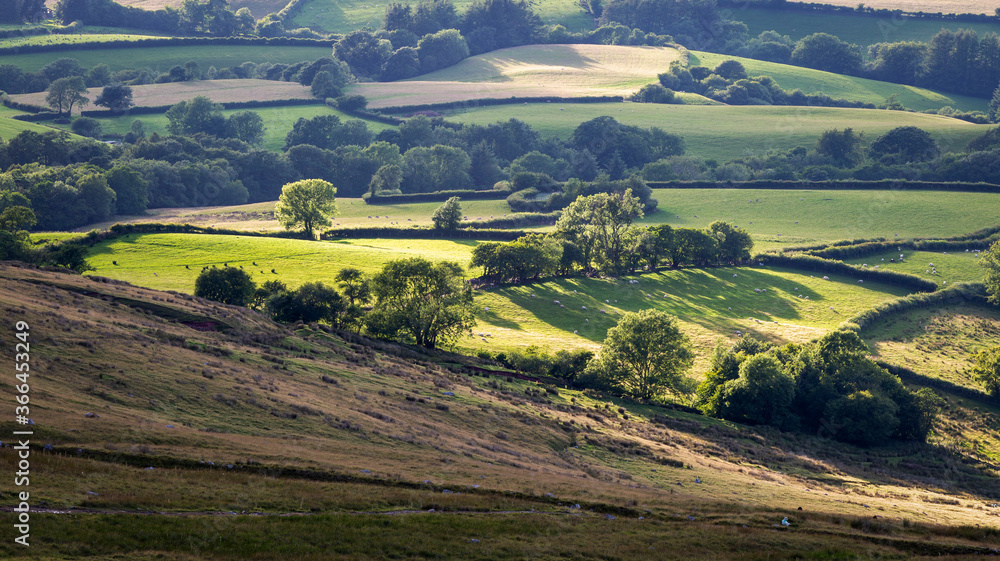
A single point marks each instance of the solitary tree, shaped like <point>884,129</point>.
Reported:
<point>601,221</point>
<point>448,215</point>
<point>644,354</point>
<point>116,97</point>
<point>64,93</point>
<point>429,302</point>
<point>228,285</point>
<point>308,203</point>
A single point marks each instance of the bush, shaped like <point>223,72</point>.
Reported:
<point>228,285</point>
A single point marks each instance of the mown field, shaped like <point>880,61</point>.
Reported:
<point>861,30</point>
<point>259,8</point>
<point>347,15</point>
<point>847,87</point>
<point>73,39</point>
<point>162,58</point>
<point>219,91</point>
<point>530,71</point>
<point>10,127</point>
<point>929,6</point>
<point>727,132</point>
<point>277,122</point>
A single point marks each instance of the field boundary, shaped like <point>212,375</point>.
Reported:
<point>488,101</point>
<point>963,292</point>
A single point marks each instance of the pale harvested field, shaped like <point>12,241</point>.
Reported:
<point>928,6</point>
<point>219,91</point>
<point>530,71</point>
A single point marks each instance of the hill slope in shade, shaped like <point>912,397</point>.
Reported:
<point>529,71</point>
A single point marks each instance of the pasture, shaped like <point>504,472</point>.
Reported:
<point>344,16</point>
<point>162,59</point>
<point>929,6</point>
<point>711,303</point>
<point>944,268</point>
<point>937,342</point>
<point>529,71</point>
<point>10,127</point>
<point>725,132</point>
<point>847,87</point>
<point>862,30</point>
<point>219,91</point>
<point>277,122</point>
<point>73,39</point>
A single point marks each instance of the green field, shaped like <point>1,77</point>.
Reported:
<point>277,121</point>
<point>345,16</point>
<point>862,30</point>
<point>951,266</point>
<point>9,127</point>
<point>162,58</point>
<point>780,218</point>
<point>710,302</point>
<point>937,342</point>
<point>840,86</point>
<point>727,132</point>
<point>75,39</point>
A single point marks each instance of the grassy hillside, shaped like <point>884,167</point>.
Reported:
<point>797,307</point>
<point>937,342</point>
<point>219,91</point>
<point>9,126</point>
<point>347,15</point>
<point>532,70</point>
<point>861,30</point>
<point>162,58</point>
<point>950,267</point>
<point>841,86</point>
<point>726,132</point>
<point>235,410</point>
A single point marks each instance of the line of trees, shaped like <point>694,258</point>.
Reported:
<point>596,234</point>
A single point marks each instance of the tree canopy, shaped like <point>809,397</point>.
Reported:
<point>308,203</point>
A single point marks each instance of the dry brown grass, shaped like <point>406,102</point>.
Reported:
<point>219,91</point>
<point>259,8</point>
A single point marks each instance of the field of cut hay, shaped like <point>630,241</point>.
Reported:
<point>219,91</point>
<point>259,8</point>
<point>929,6</point>
<point>530,71</point>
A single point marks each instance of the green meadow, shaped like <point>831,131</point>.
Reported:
<point>944,268</point>
<point>862,30</point>
<point>725,132</point>
<point>162,58</point>
<point>10,127</point>
<point>710,302</point>
<point>778,218</point>
<point>76,39</point>
<point>847,87</point>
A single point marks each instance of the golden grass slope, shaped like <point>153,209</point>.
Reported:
<point>928,6</point>
<point>219,91</point>
<point>530,71</point>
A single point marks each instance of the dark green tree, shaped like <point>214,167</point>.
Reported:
<point>448,215</point>
<point>228,285</point>
<point>644,355</point>
<point>64,93</point>
<point>986,370</point>
<point>116,97</point>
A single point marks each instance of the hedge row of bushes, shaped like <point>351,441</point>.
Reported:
<point>873,247</point>
<point>814,7</point>
<point>881,184</point>
<point>436,196</point>
<point>290,10</point>
<point>473,103</point>
<point>157,228</point>
<point>367,114</point>
<point>820,265</point>
<point>419,233</point>
<point>516,220</point>
<point>963,292</point>
<point>170,42</point>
